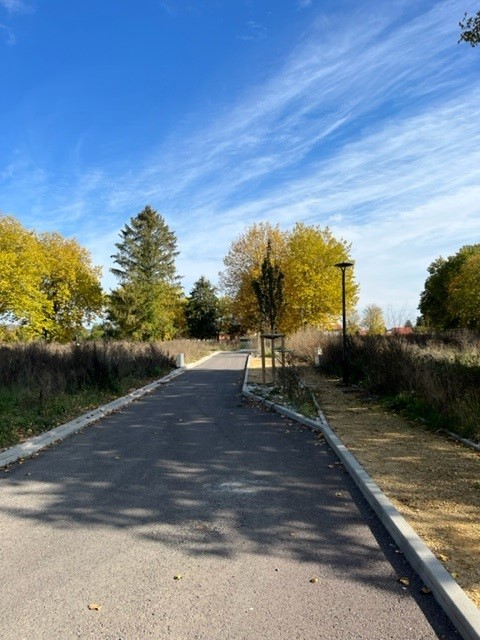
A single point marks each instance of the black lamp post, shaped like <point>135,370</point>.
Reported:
<point>344,266</point>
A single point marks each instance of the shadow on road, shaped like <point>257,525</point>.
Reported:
<point>195,467</point>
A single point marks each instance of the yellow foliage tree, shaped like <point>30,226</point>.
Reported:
<point>306,256</point>
<point>312,288</point>
<point>243,265</point>
<point>48,286</point>
<point>373,320</point>
<point>71,284</point>
<point>22,262</point>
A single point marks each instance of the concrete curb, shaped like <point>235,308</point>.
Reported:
<point>451,597</point>
<point>35,444</point>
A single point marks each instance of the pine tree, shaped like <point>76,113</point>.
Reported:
<point>144,305</point>
<point>202,310</point>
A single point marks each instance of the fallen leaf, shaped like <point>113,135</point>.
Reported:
<point>425,591</point>
<point>442,557</point>
<point>455,575</point>
<point>404,581</point>
<point>94,606</point>
<point>314,580</point>
<point>178,576</point>
<point>117,457</point>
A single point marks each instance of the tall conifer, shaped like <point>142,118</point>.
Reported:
<point>144,305</point>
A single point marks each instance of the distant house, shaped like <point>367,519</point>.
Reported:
<point>400,331</point>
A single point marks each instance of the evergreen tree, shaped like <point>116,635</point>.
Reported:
<point>202,310</point>
<point>145,304</point>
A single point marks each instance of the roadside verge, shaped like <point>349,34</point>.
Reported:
<point>35,444</point>
<point>454,601</point>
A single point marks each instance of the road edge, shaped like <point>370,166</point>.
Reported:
<point>450,596</point>
<point>37,443</point>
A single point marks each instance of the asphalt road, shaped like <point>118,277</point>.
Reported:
<point>240,504</point>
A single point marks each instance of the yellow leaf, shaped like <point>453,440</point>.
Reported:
<point>404,581</point>
<point>314,580</point>
<point>178,576</point>
<point>425,590</point>
<point>94,606</point>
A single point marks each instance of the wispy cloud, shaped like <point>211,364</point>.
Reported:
<point>254,31</point>
<point>16,6</point>
<point>8,34</point>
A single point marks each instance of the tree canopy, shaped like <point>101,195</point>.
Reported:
<point>48,285</point>
<point>452,291</point>
<point>470,26</point>
<point>202,310</point>
<point>373,320</point>
<point>306,256</point>
<point>145,305</point>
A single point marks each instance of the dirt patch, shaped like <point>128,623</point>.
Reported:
<point>433,481</point>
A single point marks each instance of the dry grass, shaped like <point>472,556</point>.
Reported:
<point>43,385</point>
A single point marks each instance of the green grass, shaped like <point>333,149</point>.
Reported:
<point>23,415</point>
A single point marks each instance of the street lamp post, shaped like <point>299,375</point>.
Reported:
<point>344,266</point>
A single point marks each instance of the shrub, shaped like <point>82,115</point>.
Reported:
<point>435,378</point>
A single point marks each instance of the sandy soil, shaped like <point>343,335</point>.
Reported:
<point>432,480</point>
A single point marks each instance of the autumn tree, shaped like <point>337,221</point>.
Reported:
<point>470,26</point>
<point>306,256</point>
<point>373,320</point>
<point>312,288</point>
<point>447,301</point>
<point>144,306</point>
<point>354,322</point>
<point>243,264</point>
<point>202,310</point>
<point>228,322</point>
<point>22,263</point>
<point>48,285</point>
<point>71,285</point>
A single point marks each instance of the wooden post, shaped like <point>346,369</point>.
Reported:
<point>262,351</point>
<point>273,360</point>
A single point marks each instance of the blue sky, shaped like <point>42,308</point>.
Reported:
<point>360,115</point>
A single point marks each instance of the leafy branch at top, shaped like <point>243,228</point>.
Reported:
<point>470,26</point>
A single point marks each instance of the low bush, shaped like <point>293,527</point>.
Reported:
<point>435,379</point>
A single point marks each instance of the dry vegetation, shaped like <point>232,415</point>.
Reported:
<point>43,385</point>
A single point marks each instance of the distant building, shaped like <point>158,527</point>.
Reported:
<point>400,331</point>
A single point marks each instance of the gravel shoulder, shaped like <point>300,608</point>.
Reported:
<point>433,481</point>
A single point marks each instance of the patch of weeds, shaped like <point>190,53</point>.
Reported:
<point>416,409</point>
